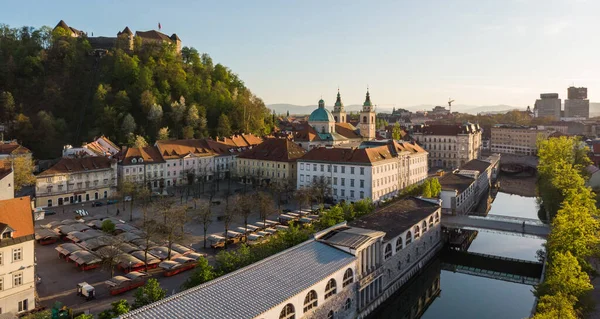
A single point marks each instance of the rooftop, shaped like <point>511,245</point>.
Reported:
<point>255,289</point>
<point>17,214</point>
<point>448,129</point>
<point>347,130</point>
<point>349,155</point>
<point>275,149</point>
<point>73,165</point>
<point>397,217</point>
<point>149,154</point>
<point>12,148</point>
<point>350,237</point>
<point>476,165</point>
<point>456,182</point>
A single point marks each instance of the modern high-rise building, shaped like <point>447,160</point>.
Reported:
<point>548,105</point>
<point>577,105</point>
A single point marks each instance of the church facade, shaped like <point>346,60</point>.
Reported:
<point>326,128</point>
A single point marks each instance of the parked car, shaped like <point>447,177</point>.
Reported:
<point>49,212</point>
<point>111,201</point>
<point>127,198</point>
<point>97,204</point>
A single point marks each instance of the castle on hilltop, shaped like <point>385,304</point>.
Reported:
<point>125,39</point>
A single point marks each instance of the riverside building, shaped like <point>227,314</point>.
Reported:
<point>345,271</point>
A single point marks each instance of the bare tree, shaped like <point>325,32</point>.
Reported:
<point>110,254</point>
<point>150,230</point>
<point>243,207</point>
<point>228,216</point>
<point>265,205</point>
<point>203,214</point>
<point>173,230</point>
<point>302,197</point>
<point>278,188</point>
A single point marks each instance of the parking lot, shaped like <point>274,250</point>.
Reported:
<point>59,278</point>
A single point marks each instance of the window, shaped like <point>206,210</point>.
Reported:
<point>352,170</point>
<point>287,312</point>
<point>1,284</point>
<point>352,182</point>
<point>310,301</point>
<point>343,169</point>
<point>437,217</point>
<point>417,232</point>
<point>362,194</point>
<point>388,251</point>
<point>329,168</point>
<point>315,167</point>
<point>322,167</point>
<point>7,234</point>
<point>49,203</point>
<point>343,181</point>
<point>301,168</point>
<point>398,244</point>
<point>17,254</point>
<point>424,226</point>
<point>330,289</point>
<point>348,277</point>
<point>17,279</point>
<point>335,168</point>
<point>335,181</point>
<point>301,178</point>
<point>408,238</point>
<point>348,304</point>
<point>343,191</point>
<point>362,183</point>
<point>352,193</point>
<point>23,305</point>
<point>330,314</point>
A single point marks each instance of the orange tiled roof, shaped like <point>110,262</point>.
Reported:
<point>150,154</point>
<point>275,149</point>
<point>347,130</point>
<point>171,149</point>
<point>350,155</point>
<point>407,146</point>
<point>17,214</point>
<point>13,148</point>
<point>72,165</point>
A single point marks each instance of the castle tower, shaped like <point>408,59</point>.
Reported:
<point>339,114</point>
<point>125,39</point>
<point>367,119</point>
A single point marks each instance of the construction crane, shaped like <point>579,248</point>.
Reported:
<point>450,100</point>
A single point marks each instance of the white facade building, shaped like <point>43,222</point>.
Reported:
<point>7,183</point>
<point>102,146</point>
<point>17,258</point>
<point>449,146</point>
<point>143,166</point>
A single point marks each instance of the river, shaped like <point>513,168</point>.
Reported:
<point>466,296</point>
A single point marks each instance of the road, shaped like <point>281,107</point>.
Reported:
<point>59,277</point>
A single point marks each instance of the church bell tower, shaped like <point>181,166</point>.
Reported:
<point>367,119</point>
<point>339,114</point>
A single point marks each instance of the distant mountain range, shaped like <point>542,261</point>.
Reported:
<point>282,108</point>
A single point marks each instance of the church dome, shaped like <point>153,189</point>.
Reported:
<point>321,114</point>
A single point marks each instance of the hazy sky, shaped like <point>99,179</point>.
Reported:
<point>408,52</point>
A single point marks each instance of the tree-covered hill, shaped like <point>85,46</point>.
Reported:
<point>54,91</point>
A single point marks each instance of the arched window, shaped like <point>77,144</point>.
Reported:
<point>288,312</point>
<point>364,119</point>
<point>330,289</point>
<point>310,301</point>
<point>348,304</point>
<point>388,251</point>
<point>417,232</point>
<point>424,226</point>
<point>408,259</point>
<point>330,314</point>
<point>437,217</point>
<point>430,221</point>
<point>335,118</point>
<point>398,244</point>
<point>348,277</point>
<point>372,119</point>
<point>408,238</point>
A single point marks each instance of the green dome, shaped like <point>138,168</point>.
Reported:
<point>321,115</point>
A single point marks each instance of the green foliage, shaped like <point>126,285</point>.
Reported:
<point>149,293</point>
<point>46,314</point>
<point>119,307</point>
<point>202,273</point>
<point>108,226</point>
<point>50,71</point>
<point>333,216</point>
<point>84,316</point>
<point>23,172</point>
<point>564,275</point>
<point>555,306</point>
<point>397,132</point>
<point>363,207</point>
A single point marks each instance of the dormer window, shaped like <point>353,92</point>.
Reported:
<point>134,161</point>
<point>141,160</point>
<point>7,234</point>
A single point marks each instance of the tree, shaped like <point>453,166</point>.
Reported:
<point>149,293</point>
<point>163,134</point>
<point>302,197</point>
<point>108,226</point>
<point>202,273</point>
<point>564,275</point>
<point>264,203</point>
<point>243,207</point>
<point>119,307</point>
<point>172,228</point>
<point>22,171</point>
<point>110,253</point>
<point>203,215</point>
<point>150,229</point>
<point>188,132</point>
<point>147,100</point>
<point>139,141</point>
<point>333,216</point>
<point>224,127</point>
<point>128,125</point>
<point>229,214</point>
<point>7,107</point>
<point>556,306</point>
<point>397,132</point>
<point>85,316</point>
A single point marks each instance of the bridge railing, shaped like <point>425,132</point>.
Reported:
<point>511,219</point>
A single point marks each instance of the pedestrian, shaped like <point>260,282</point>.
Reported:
<point>523,226</point>
<point>118,212</point>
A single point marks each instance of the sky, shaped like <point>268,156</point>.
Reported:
<point>478,52</point>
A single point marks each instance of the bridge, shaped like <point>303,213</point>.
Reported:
<point>494,267</point>
<point>505,224</point>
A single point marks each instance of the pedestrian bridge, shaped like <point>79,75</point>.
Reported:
<point>500,223</point>
<point>494,267</point>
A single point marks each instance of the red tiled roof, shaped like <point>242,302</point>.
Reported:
<point>170,149</point>
<point>150,154</point>
<point>350,155</point>
<point>72,165</point>
<point>13,148</point>
<point>17,214</point>
<point>410,147</point>
<point>153,34</point>
<point>275,149</point>
<point>347,130</point>
<point>306,133</point>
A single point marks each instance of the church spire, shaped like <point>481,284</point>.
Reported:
<point>368,100</point>
<point>338,101</point>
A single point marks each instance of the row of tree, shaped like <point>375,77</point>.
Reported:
<point>573,239</point>
<point>52,83</point>
<point>430,188</point>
